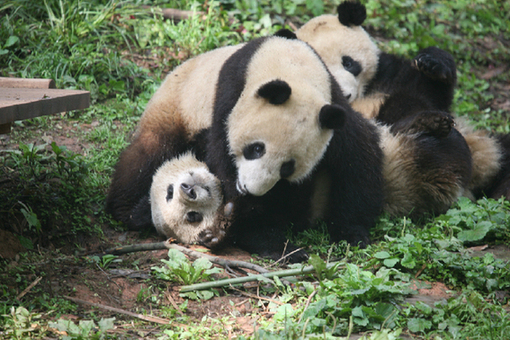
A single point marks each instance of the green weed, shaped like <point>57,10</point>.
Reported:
<point>179,269</point>
<point>85,329</point>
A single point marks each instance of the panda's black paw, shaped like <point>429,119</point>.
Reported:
<point>436,64</point>
<point>211,238</point>
<point>434,123</point>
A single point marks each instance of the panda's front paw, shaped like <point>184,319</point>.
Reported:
<point>211,238</point>
<point>436,64</point>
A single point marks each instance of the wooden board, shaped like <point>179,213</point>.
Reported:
<point>25,103</point>
<point>32,83</point>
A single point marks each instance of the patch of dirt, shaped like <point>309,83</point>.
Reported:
<point>430,292</point>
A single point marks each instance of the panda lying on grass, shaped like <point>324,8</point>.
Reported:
<point>393,90</point>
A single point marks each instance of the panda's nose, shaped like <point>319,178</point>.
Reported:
<point>288,168</point>
<point>348,96</point>
<point>189,190</point>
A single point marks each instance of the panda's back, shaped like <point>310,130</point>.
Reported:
<point>186,96</point>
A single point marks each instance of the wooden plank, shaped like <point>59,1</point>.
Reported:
<point>23,103</point>
<point>30,83</point>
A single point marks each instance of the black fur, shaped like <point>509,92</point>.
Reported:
<point>427,83</point>
<point>353,162</point>
<point>285,33</point>
<point>441,155</point>
<point>276,92</point>
<point>351,13</point>
<point>332,117</point>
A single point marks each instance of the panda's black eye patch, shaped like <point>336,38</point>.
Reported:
<point>351,65</point>
<point>254,151</point>
<point>170,192</point>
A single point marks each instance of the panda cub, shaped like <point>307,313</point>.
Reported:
<point>185,200</point>
<point>174,122</point>
<point>281,127</point>
<point>389,88</point>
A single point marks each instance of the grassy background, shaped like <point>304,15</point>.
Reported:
<point>55,170</point>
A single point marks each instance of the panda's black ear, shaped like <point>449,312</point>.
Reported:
<point>285,33</point>
<point>351,13</point>
<point>276,91</point>
<point>332,116</point>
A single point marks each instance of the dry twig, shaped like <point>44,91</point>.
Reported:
<point>26,290</point>
<point>121,311</point>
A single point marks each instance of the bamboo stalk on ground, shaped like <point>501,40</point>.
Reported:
<point>280,273</point>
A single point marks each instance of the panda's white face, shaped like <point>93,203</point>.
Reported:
<point>284,140</point>
<point>185,198</point>
<point>349,52</point>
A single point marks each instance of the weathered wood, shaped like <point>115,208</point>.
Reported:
<point>29,83</point>
<point>25,103</point>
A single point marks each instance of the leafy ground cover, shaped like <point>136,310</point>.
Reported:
<point>440,277</point>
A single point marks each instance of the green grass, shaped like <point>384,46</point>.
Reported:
<point>120,52</point>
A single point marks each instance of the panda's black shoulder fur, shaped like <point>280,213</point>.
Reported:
<point>231,82</point>
<point>351,13</point>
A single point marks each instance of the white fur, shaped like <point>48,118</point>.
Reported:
<point>289,131</point>
<point>176,101</point>
<point>332,41</point>
<point>485,152</point>
<point>169,217</point>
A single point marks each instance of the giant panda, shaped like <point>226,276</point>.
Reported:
<point>281,127</point>
<point>185,199</point>
<point>389,88</point>
<point>174,122</point>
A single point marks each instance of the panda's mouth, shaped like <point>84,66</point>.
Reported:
<point>241,188</point>
<point>194,217</point>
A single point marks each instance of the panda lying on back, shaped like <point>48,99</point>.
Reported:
<point>184,202</point>
<point>390,89</point>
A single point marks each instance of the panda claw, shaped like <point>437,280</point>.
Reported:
<point>436,64</point>
<point>229,208</point>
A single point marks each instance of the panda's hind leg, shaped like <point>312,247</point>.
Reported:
<point>434,123</point>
